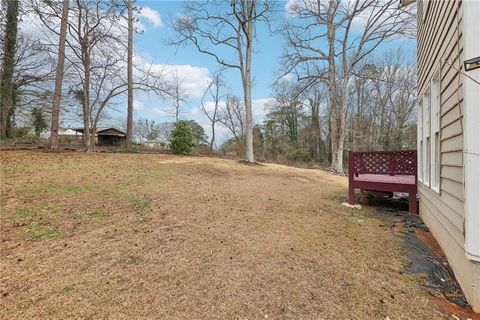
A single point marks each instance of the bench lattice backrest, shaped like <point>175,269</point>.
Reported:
<point>383,162</point>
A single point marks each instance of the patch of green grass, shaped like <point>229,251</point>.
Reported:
<point>23,215</point>
<point>37,231</point>
<point>40,221</point>
<point>26,215</point>
<point>87,215</point>
<point>76,188</point>
<point>141,204</point>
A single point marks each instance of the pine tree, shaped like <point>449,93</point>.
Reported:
<point>182,138</point>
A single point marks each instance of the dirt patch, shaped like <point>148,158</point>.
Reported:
<point>427,260</point>
<point>451,308</point>
<point>428,240</point>
<point>159,236</point>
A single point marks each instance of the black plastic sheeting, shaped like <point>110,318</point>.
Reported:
<point>438,276</point>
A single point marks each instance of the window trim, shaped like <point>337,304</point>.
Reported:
<point>436,152</point>
<point>420,141</point>
<point>426,138</point>
<point>429,133</point>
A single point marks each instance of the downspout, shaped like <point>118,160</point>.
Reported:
<point>471,149</point>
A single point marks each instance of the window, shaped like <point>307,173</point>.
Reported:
<point>420,141</point>
<point>435,132</point>
<point>426,138</point>
<point>428,135</point>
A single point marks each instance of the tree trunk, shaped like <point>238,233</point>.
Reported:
<point>249,155</point>
<point>337,99</point>
<point>337,164</point>
<point>59,77</point>
<point>6,81</point>
<point>87,134</point>
<point>130,74</point>
<point>247,88</point>
<point>336,113</point>
<point>212,141</point>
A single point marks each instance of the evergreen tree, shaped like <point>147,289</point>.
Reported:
<point>6,81</point>
<point>200,139</point>
<point>39,122</point>
<point>182,138</point>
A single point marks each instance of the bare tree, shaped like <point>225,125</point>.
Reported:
<point>382,99</point>
<point>213,26</point>
<point>177,97</point>
<point>352,30</point>
<point>232,117</point>
<point>59,77</point>
<point>32,80</point>
<point>213,91</point>
<point>315,97</point>
<point>286,107</point>
<point>165,131</point>
<point>97,56</point>
<point>146,130</point>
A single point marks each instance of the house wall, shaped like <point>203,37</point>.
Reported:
<point>440,47</point>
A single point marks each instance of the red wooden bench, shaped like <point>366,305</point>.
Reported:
<point>389,171</point>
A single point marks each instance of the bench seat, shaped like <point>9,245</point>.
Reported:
<point>389,171</point>
<point>401,179</point>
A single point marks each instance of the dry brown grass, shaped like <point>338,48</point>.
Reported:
<point>155,236</point>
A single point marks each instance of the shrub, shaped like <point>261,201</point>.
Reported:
<point>182,138</point>
<point>296,154</point>
<point>20,132</point>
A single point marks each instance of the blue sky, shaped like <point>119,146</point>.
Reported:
<point>155,18</point>
<point>151,43</point>
<point>196,68</point>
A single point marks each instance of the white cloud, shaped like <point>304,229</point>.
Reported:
<point>152,16</point>
<point>194,79</point>
<point>260,109</point>
<point>287,77</point>
<point>138,105</point>
<point>160,112</point>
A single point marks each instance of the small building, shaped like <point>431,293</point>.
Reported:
<point>155,145</point>
<point>448,128</point>
<point>108,137</point>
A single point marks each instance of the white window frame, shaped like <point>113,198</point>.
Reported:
<point>435,138</point>
<point>426,149</point>
<point>420,140</point>
<point>428,134</point>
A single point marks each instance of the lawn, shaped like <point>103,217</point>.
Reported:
<point>125,236</point>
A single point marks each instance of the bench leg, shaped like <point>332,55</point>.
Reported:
<point>412,202</point>
<point>351,195</point>
<point>390,194</point>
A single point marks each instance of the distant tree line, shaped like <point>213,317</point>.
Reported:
<point>334,91</point>
<point>379,114</point>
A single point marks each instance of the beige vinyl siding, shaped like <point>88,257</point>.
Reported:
<point>465,271</point>
<point>439,47</point>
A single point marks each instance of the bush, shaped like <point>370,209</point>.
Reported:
<point>182,138</point>
<point>20,132</point>
<point>295,154</point>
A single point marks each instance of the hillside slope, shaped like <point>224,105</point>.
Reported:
<point>125,236</point>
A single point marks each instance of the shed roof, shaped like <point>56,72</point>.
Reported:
<point>107,131</point>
